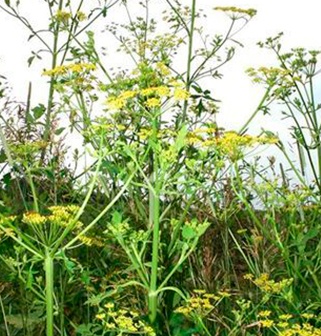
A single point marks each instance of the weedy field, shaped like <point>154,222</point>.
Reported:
<point>127,210</point>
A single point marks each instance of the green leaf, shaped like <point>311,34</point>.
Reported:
<point>59,130</point>
<point>188,232</point>
<point>30,279</point>
<point>3,156</point>
<point>30,60</point>
<point>181,138</point>
<point>7,179</point>
<point>85,277</point>
<point>197,88</point>
<point>117,218</point>
<point>38,111</point>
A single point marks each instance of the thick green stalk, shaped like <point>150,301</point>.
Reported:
<point>154,204</point>
<point>154,272</point>
<point>49,270</point>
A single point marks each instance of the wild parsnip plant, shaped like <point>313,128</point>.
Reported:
<point>292,85</point>
<point>170,227</point>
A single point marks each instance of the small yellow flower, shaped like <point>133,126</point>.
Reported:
<point>33,218</point>
<point>153,102</point>
<point>267,323</point>
<point>120,127</point>
<point>242,231</point>
<point>181,94</point>
<point>127,94</point>
<point>73,67</point>
<point>148,91</point>
<point>115,103</point>
<point>224,294</point>
<point>62,16</point>
<point>285,317</point>
<point>81,16</point>
<point>183,310</point>
<point>100,316</point>
<point>133,314</point>
<point>163,91</point>
<point>110,325</point>
<point>86,240</point>
<point>248,276</point>
<point>59,70</point>
<point>163,69</point>
<point>199,291</point>
<point>235,10</point>
<point>283,325</point>
<point>209,296</point>
<point>264,313</point>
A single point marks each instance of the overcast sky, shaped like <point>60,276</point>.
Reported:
<point>300,22</point>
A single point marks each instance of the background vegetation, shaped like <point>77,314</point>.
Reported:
<point>126,209</point>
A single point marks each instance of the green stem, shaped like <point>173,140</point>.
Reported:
<point>257,110</point>
<point>189,58</point>
<point>316,130</point>
<point>48,120</point>
<point>33,191</point>
<point>49,270</point>
<point>153,284</point>
<point>93,222</point>
<point>154,197</point>
<point>20,238</point>
<point>202,325</point>
<point>4,317</point>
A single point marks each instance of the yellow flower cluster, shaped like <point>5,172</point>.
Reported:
<point>267,323</point>
<point>4,230</point>
<point>33,218</point>
<point>271,76</point>
<point>163,69</point>
<point>60,215</point>
<point>229,143</point>
<point>90,241</point>
<point>181,94</point>
<point>267,285</point>
<point>123,321</point>
<point>81,16</point>
<point>153,103</point>
<point>285,327</point>
<point>235,10</point>
<point>63,215</point>
<point>201,303</point>
<point>145,133</point>
<point>115,103</point>
<point>306,329</point>
<point>62,16</point>
<point>65,69</point>
<point>23,150</point>
<point>120,101</point>
<point>264,313</point>
<point>120,229</point>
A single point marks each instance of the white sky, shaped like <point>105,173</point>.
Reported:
<point>300,22</point>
